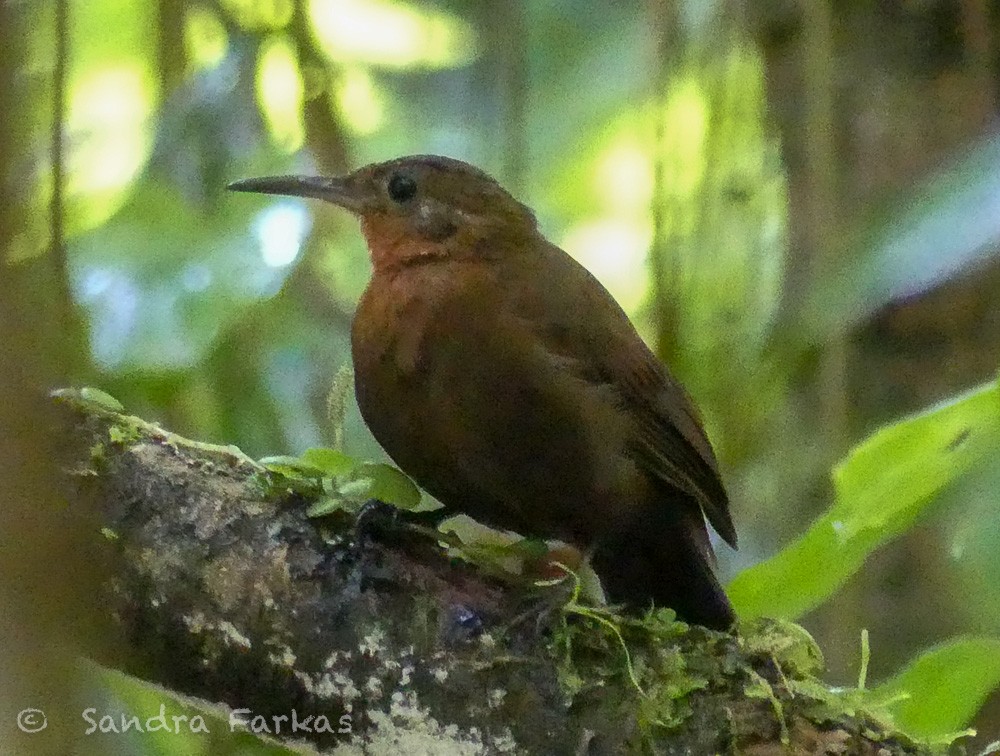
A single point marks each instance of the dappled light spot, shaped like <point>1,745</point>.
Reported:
<point>624,178</point>
<point>280,92</point>
<point>361,105</point>
<point>615,252</point>
<point>260,14</point>
<point>280,230</point>
<point>109,136</point>
<point>391,34</point>
<point>196,277</point>
<point>685,119</point>
<point>113,300</point>
<point>205,38</point>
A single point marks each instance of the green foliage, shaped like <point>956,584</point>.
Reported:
<point>338,482</point>
<point>493,550</point>
<point>291,467</point>
<point>101,398</point>
<point>188,725</point>
<point>882,486</point>
<point>386,483</point>
<point>664,662</point>
<point>330,462</point>
<point>796,653</point>
<point>937,694</point>
<point>228,317</point>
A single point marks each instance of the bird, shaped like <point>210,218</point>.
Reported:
<point>502,376</point>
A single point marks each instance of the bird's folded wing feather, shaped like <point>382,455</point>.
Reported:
<point>587,327</point>
<point>669,436</point>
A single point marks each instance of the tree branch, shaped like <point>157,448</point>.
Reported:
<point>224,590</point>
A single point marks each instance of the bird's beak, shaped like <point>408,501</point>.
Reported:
<point>338,190</point>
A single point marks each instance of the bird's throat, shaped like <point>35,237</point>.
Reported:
<point>393,246</point>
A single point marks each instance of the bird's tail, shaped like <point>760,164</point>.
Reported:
<point>664,559</point>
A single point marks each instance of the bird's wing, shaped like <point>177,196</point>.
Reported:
<point>669,435</point>
<point>590,330</point>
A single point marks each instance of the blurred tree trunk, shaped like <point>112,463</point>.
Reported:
<point>172,58</point>
<point>512,72</point>
<point>46,580</point>
<point>799,53</point>
<point>664,262</point>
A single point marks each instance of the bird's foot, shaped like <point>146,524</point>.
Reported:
<point>562,579</point>
<point>544,605</point>
<point>385,523</point>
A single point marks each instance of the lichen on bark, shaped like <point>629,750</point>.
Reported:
<point>225,590</point>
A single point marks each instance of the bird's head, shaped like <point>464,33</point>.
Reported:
<point>416,208</point>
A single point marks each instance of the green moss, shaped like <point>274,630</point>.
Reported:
<point>597,648</point>
<point>790,645</point>
<point>97,456</point>
<point>666,663</point>
<point>758,687</point>
<point>124,433</point>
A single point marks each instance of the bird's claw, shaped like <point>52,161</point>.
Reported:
<point>375,520</point>
<point>385,523</point>
<point>544,607</point>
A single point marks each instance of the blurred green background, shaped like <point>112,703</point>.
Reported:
<point>798,204</point>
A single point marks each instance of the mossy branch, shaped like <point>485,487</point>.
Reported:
<point>225,590</point>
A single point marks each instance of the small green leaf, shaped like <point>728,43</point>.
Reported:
<point>276,483</point>
<point>328,505</point>
<point>330,461</point>
<point>102,398</point>
<point>359,490</point>
<point>291,467</point>
<point>93,396</point>
<point>940,691</point>
<point>883,485</point>
<point>480,544</point>
<point>390,485</point>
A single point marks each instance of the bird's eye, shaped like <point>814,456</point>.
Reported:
<point>401,188</point>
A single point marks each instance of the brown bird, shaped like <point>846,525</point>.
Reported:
<point>505,379</point>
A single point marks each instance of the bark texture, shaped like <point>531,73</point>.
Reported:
<point>224,590</point>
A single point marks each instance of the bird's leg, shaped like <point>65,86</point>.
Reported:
<point>544,605</point>
<point>556,584</point>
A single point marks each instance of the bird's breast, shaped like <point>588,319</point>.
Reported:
<point>463,392</point>
<point>395,338</point>
<point>394,319</point>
